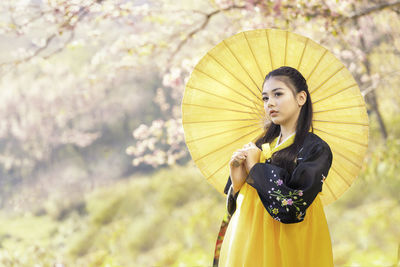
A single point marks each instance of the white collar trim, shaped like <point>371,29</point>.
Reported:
<point>279,138</point>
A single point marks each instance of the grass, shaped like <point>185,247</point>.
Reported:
<point>172,219</point>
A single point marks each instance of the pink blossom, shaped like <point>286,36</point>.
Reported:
<point>289,201</point>
<point>141,131</point>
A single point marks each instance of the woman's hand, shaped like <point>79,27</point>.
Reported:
<point>238,158</point>
<point>238,169</point>
<point>253,155</point>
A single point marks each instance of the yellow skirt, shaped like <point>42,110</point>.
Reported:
<point>254,238</point>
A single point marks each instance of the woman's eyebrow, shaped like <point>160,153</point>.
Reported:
<point>264,93</point>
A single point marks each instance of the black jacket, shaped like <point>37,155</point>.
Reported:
<point>287,196</point>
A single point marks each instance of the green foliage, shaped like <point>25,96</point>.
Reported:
<point>24,240</point>
<point>172,218</point>
<point>166,220</point>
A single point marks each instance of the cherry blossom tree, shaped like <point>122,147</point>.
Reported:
<point>66,65</point>
<point>353,30</point>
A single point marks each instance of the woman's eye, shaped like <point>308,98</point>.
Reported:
<point>265,98</point>
<point>278,94</point>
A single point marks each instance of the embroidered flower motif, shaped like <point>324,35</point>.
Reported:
<point>273,210</point>
<point>279,182</point>
<point>299,215</point>
<point>291,199</point>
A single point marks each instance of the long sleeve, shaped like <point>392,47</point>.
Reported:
<point>286,197</point>
<point>231,197</point>
<point>228,185</point>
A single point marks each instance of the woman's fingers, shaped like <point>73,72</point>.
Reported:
<point>248,145</point>
<point>241,151</point>
<point>239,157</point>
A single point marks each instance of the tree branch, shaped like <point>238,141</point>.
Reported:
<point>201,27</point>
<point>368,11</point>
<point>341,20</point>
<point>65,25</point>
<point>374,9</point>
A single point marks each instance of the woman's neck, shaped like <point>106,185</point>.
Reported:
<point>286,132</point>
<point>288,127</point>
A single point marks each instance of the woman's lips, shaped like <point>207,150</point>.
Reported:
<point>273,113</point>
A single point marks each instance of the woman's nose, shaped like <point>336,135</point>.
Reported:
<point>270,103</point>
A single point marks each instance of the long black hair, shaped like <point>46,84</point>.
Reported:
<point>285,158</point>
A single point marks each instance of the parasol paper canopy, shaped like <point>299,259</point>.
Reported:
<point>222,108</point>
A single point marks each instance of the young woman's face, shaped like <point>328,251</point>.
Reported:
<point>280,103</point>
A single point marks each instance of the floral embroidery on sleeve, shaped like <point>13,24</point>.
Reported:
<point>292,199</point>
<point>287,196</point>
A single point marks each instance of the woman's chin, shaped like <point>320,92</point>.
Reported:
<point>276,121</point>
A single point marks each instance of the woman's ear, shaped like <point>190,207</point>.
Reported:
<point>301,98</point>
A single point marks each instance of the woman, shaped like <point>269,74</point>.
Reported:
<point>277,218</point>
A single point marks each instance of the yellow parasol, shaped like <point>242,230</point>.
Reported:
<point>222,107</point>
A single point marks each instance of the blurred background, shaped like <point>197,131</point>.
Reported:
<point>93,164</point>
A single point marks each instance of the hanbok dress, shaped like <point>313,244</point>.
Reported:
<point>279,220</point>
